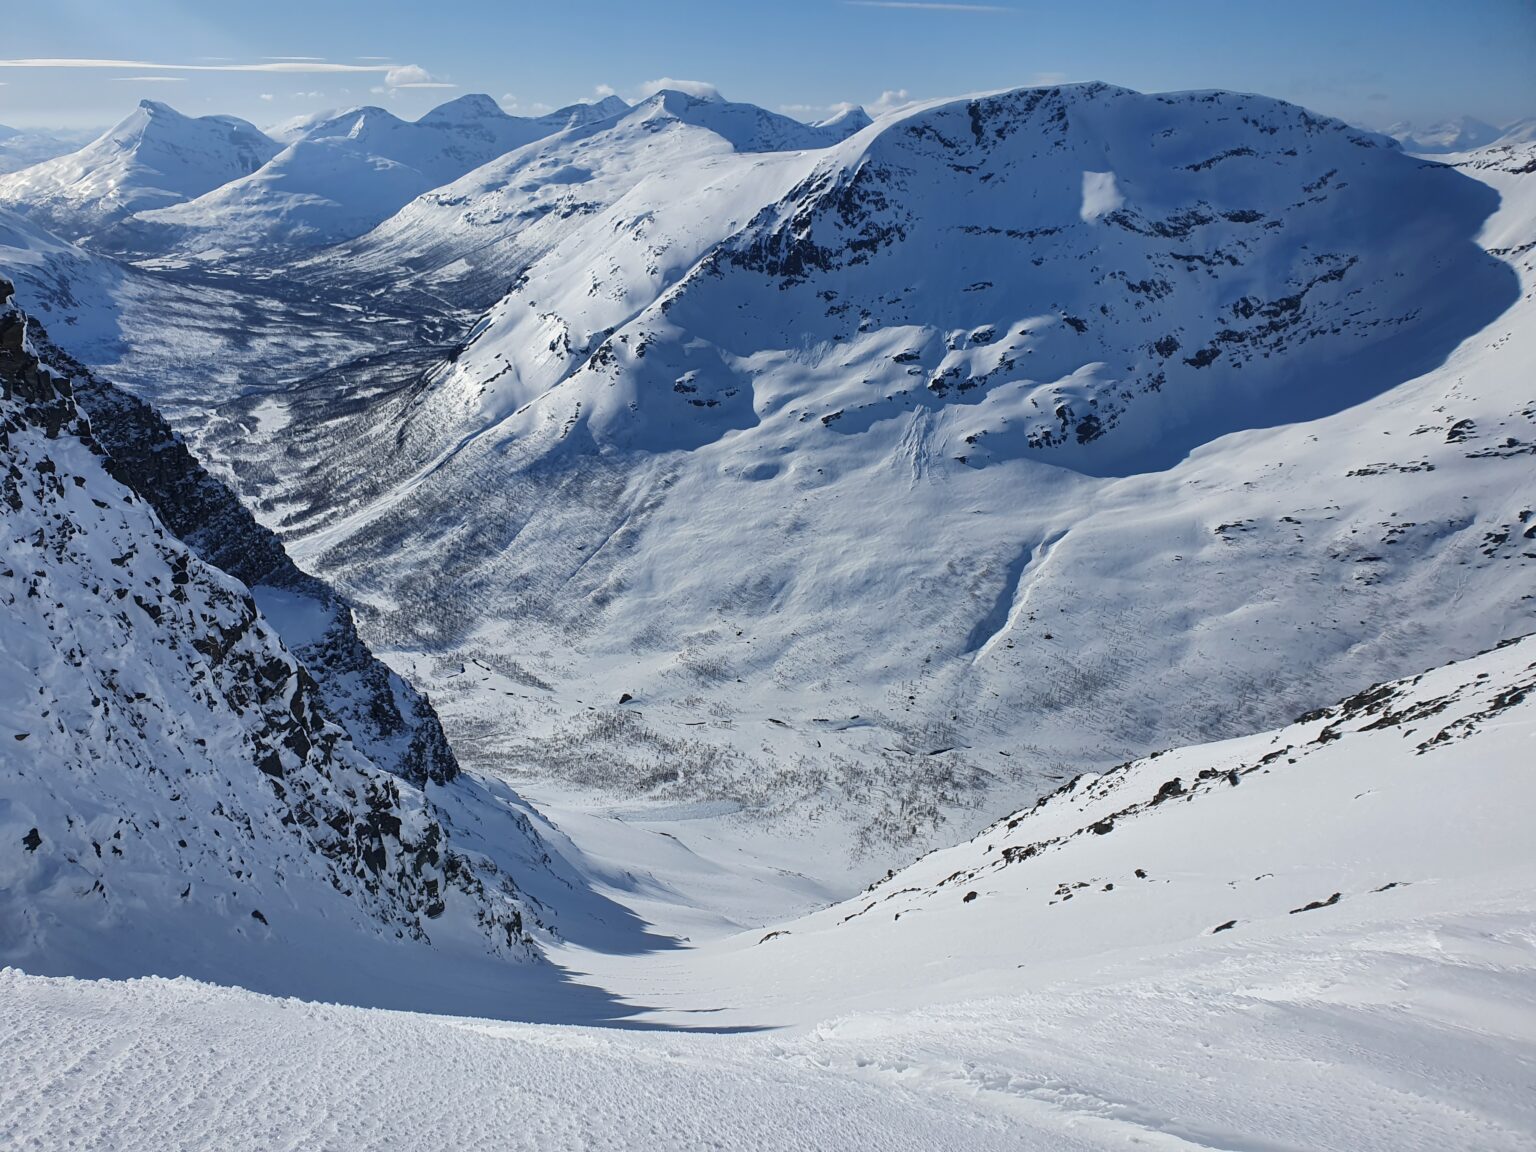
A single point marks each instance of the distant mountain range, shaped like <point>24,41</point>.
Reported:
<point>1461,135</point>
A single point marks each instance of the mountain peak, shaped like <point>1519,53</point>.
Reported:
<point>850,120</point>
<point>473,106</point>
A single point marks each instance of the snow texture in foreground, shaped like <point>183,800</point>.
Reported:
<point>1071,1005</point>
<point>1400,1014</point>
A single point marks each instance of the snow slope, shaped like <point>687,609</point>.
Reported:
<point>1388,791</point>
<point>1223,997</point>
<point>892,481</point>
<point>860,575</point>
<point>75,290</point>
<point>153,157</point>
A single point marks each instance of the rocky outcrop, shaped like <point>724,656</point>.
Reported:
<point>171,771</point>
<point>392,723</point>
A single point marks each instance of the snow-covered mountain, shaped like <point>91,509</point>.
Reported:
<point>708,164</point>
<point>389,721</point>
<point>196,780</point>
<point>1008,438</point>
<point>887,481</point>
<point>1179,293</point>
<point>343,175</point>
<point>153,157</point>
<point>769,503</point>
<point>61,282</point>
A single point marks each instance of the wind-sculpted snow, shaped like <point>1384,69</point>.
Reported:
<point>178,794</point>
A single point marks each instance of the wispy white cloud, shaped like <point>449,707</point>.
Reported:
<point>413,76</point>
<point>393,77</point>
<point>150,79</point>
<point>890,100</point>
<point>914,5</point>
<point>511,105</point>
<point>699,89</point>
<point>295,66</point>
<point>817,112</point>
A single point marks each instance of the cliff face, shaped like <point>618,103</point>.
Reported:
<point>177,784</point>
<point>391,723</point>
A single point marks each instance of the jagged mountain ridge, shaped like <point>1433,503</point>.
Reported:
<point>345,174</point>
<point>694,158</point>
<point>179,794</point>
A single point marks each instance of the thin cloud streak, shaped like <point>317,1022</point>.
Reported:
<point>294,66</point>
<point>915,6</point>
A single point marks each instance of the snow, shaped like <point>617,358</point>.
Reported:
<point>341,176</point>
<point>1100,195</point>
<point>22,149</point>
<point>154,156</point>
<point>175,794</point>
<point>1400,1017</point>
<point>761,506</point>
<point>764,505</point>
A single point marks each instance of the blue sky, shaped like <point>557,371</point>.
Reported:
<point>1369,61</point>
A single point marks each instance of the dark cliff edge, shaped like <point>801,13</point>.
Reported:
<point>161,737</point>
<point>392,723</point>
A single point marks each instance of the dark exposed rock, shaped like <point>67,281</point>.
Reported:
<point>291,763</point>
<point>394,724</point>
<point>1316,904</point>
